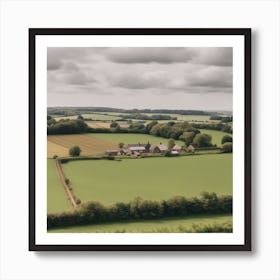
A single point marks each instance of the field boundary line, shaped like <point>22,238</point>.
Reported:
<point>63,183</point>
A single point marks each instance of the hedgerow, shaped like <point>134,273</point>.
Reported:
<point>94,212</point>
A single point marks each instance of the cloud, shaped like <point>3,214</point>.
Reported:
<point>149,55</point>
<point>221,56</point>
<point>78,78</point>
<point>211,77</point>
<point>139,80</point>
<point>124,73</point>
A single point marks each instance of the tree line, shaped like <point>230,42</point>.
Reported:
<point>146,117</point>
<point>184,131</point>
<point>88,110</point>
<point>137,209</point>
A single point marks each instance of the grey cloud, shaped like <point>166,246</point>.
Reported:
<point>70,66</point>
<point>79,78</point>
<point>221,56</point>
<point>137,80</point>
<point>124,73</point>
<point>212,77</point>
<point>149,55</point>
<point>53,64</point>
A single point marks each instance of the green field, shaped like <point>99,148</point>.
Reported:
<point>57,200</point>
<point>162,225</point>
<point>150,178</point>
<point>216,135</point>
<point>133,138</point>
<point>65,117</point>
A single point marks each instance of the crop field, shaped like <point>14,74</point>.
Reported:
<point>161,225</point>
<point>89,144</point>
<point>150,178</point>
<point>95,124</point>
<point>133,138</point>
<point>56,198</point>
<point>216,135</point>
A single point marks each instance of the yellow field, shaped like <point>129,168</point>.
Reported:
<point>90,145</point>
<point>56,149</point>
<point>95,124</point>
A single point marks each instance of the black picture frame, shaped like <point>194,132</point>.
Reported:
<point>246,32</point>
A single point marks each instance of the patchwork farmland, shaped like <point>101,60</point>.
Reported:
<point>96,143</point>
<point>90,145</point>
<point>123,166</point>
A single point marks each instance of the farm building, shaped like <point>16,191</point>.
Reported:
<point>124,151</point>
<point>177,148</point>
<point>191,148</point>
<point>174,153</point>
<point>139,148</point>
<point>112,152</point>
<point>154,149</point>
<point>162,147</point>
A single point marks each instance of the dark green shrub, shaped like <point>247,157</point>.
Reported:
<point>75,151</point>
<point>227,147</point>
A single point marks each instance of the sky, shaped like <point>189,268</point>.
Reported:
<point>154,78</point>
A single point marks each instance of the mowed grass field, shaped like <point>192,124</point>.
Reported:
<point>56,198</point>
<point>216,135</point>
<point>90,145</point>
<point>163,225</point>
<point>132,138</point>
<point>150,178</point>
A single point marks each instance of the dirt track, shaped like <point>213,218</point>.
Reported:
<point>63,183</point>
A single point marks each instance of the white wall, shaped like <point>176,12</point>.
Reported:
<point>16,262</point>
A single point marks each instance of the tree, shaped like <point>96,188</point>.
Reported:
<point>50,120</point>
<point>202,140</point>
<point>114,124</point>
<point>150,125</point>
<point>121,145</point>
<point>227,147</point>
<point>170,144</point>
<point>226,138</point>
<point>75,151</point>
<point>187,137</point>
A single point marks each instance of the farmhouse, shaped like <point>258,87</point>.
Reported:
<point>177,148</point>
<point>154,149</point>
<point>139,148</point>
<point>162,147</point>
<point>191,148</point>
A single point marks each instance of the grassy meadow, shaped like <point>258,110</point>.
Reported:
<point>132,138</point>
<point>150,178</point>
<point>146,226</point>
<point>216,135</point>
<point>56,197</point>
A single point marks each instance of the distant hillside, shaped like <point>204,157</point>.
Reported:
<point>86,110</point>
